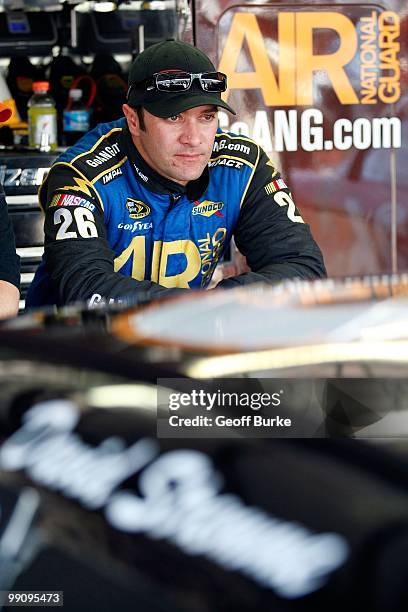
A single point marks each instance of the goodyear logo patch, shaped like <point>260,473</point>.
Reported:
<point>137,209</point>
<point>208,208</point>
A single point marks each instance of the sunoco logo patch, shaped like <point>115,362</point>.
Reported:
<point>207,208</point>
<point>137,209</point>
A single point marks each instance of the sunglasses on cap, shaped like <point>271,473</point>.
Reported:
<point>178,80</point>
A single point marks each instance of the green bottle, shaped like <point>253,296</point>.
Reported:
<point>42,118</point>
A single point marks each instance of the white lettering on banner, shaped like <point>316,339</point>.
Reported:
<point>285,130</point>
<point>181,501</point>
<point>292,130</point>
<point>260,130</point>
<point>311,132</point>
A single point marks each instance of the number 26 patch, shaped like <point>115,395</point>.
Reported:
<point>283,199</point>
<point>81,222</point>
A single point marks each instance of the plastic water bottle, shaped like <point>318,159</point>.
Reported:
<point>76,118</point>
<point>42,117</point>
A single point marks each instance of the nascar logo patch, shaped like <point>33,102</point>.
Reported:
<point>67,199</point>
<point>137,209</point>
<point>208,208</point>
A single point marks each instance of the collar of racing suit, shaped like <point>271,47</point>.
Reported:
<point>159,184</point>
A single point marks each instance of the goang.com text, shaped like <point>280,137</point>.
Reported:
<point>282,130</point>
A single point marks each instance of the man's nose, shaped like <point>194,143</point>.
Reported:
<point>191,134</point>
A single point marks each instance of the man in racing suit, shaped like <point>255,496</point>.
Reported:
<point>149,203</point>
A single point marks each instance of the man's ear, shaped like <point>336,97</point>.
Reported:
<point>132,119</point>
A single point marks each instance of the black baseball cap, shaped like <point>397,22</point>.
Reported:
<point>171,55</point>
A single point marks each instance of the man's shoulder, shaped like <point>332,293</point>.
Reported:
<point>98,151</point>
<point>235,147</point>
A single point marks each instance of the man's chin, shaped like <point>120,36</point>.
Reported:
<point>187,175</point>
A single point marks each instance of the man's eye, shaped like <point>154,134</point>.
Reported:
<point>209,117</point>
<point>174,118</point>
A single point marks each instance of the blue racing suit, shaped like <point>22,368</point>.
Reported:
<point>114,227</point>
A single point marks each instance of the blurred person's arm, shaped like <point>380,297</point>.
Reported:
<point>9,298</point>
<point>9,265</point>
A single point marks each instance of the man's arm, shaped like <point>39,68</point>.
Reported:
<point>9,265</point>
<point>77,254</point>
<point>9,298</point>
<point>271,233</point>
